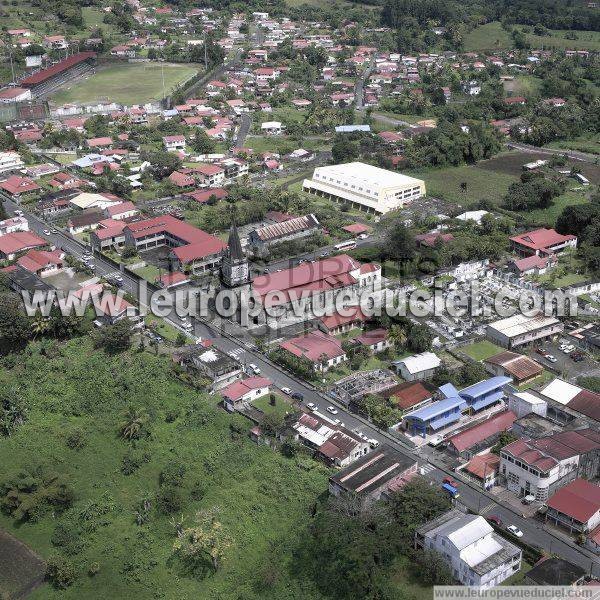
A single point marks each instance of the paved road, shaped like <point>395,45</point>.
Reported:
<point>243,129</point>
<point>359,86</point>
<point>573,154</point>
<point>471,496</point>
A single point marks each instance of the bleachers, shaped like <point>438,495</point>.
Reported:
<point>53,84</point>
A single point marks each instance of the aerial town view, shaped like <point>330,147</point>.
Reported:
<point>299,299</point>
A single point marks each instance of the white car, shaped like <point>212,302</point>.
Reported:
<point>286,390</point>
<point>332,410</point>
<point>46,232</point>
<point>254,369</point>
<point>551,358</point>
<point>373,443</point>
<point>185,324</point>
<point>515,531</point>
<point>337,421</point>
<point>362,236</point>
<point>311,406</point>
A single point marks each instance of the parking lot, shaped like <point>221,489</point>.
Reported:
<point>565,367</point>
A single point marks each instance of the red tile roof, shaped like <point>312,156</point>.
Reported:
<point>579,499</point>
<point>35,260</point>
<point>240,388</point>
<point>336,320</point>
<point>204,195</point>
<point>19,185</point>
<point>370,338</point>
<point>482,431</point>
<point>356,228</point>
<point>410,394</point>
<point>541,238</point>
<point>482,465</point>
<point>314,345</point>
<point>328,274</point>
<point>18,241</point>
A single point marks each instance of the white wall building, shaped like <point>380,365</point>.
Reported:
<point>365,187</point>
<point>520,329</point>
<point>417,367</point>
<point>13,224</point>
<point>10,161</point>
<point>476,555</point>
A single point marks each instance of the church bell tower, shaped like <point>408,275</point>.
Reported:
<point>235,270</point>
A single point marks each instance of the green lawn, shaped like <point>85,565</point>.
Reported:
<point>481,184</point>
<point>281,408</point>
<point>133,83</point>
<point>548,216</point>
<point>149,273</point>
<point>264,499</point>
<point>481,350</point>
<point>160,326</point>
<point>490,36</point>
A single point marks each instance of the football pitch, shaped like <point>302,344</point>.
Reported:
<point>129,83</point>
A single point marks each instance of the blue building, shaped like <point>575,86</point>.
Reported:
<point>448,410</point>
<point>484,393</point>
<point>433,417</point>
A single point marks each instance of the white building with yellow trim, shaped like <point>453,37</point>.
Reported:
<point>365,187</point>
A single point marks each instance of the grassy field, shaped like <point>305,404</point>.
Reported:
<point>481,350</point>
<point>490,36</point>
<point>523,85</point>
<point>126,83</point>
<point>549,215</point>
<point>264,499</point>
<point>481,184</point>
<point>586,40</point>
<point>586,143</point>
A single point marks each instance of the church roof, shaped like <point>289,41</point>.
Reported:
<point>235,246</point>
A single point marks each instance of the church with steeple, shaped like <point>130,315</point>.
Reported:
<point>235,269</point>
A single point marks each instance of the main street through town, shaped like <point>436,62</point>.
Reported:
<point>242,348</point>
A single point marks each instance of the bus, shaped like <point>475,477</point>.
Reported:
<point>450,490</point>
<point>347,245</point>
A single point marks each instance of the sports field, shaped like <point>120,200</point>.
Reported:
<point>130,83</point>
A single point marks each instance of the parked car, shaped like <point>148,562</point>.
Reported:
<point>373,443</point>
<point>311,405</point>
<point>46,232</point>
<point>287,391</point>
<point>495,520</point>
<point>541,351</point>
<point>514,530</point>
<point>450,481</point>
<point>332,410</point>
<point>298,396</point>
<point>577,356</point>
<point>252,368</point>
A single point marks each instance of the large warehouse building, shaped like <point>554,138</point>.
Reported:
<point>365,187</point>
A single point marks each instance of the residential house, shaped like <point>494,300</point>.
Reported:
<point>240,393</point>
<point>576,507</point>
<point>13,243</point>
<point>17,186</point>
<point>539,467</point>
<point>542,242</point>
<point>475,554</point>
<point>322,350</point>
<point>417,367</point>
<point>207,361</point>
<point>41,262</point>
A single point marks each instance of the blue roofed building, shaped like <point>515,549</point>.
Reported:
<point>434,417</point>
<point>484,393</point>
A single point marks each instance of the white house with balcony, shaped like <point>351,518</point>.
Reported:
<point>474,552</point>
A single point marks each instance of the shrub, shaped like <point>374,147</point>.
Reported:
<point>172,474</point>
<point>60,572</point>
<point>169,500</point>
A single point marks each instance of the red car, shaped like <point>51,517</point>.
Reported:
<point>450,481</point>
<point>495,520</point>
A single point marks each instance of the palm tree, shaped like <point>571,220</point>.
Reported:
<point>39,325</point>
<point>133,424</point>
<point>398,336</point>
